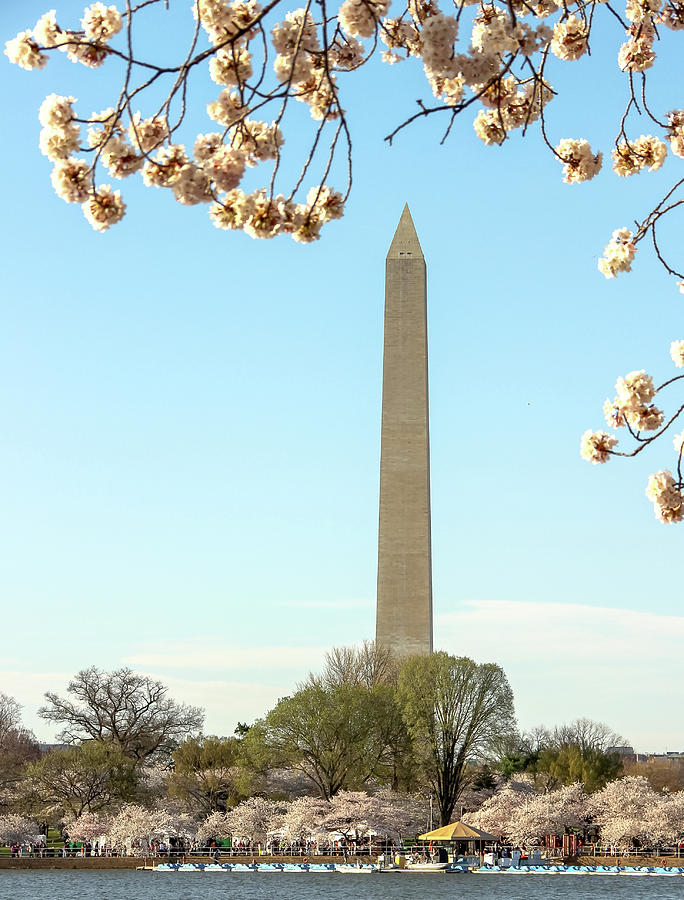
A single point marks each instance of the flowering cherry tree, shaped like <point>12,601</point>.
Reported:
<point>496,814</point>
<point>137,826</point>
<point>132,826</point>
<point>304,818</point>
<point>524,816</point>
<point>666,818</point>
<point>352,813</point>
<point>88,826</point>
<point>15,829</point>
<point>492,62</point>
<point>399,815</point>
<point>554,812</point>
<point>214,825</point>
<point>625,810</point>
<point>254,818</point>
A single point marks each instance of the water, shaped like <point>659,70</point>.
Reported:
<point>130,885</point>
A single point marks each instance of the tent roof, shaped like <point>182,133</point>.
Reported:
<point>456,831</point>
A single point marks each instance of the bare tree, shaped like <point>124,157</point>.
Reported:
<point>366,664</point>
<point>123,708</point>
<point>10,714</point>
<point>18,748</point>
<point>588,735</point>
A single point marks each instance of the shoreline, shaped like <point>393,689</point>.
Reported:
<point>95,863</point>
<point>91,863</point>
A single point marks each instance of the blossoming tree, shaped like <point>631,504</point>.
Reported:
<point>135,826</point>
<point>15,829</point>
<point>88,827</point>
<point>523,816</point>
<point>625,810</point>
<point>496,814</point>
<point>304,818</point>
<point>491,61</point>
<point>254,818</point>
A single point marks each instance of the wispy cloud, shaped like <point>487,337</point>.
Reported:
<point>210,652</point>
<point>332,604</point>
<point>622,666</point>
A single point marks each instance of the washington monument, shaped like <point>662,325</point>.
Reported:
<point>404,611</point>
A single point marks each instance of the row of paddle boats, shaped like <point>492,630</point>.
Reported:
<point>584,870</point>
<point>370,869</point>
<point>344,868</point>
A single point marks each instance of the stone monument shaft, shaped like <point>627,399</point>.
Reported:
<point>404,605</point>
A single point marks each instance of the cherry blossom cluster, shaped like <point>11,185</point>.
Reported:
<point>135,826</point>
<point>629,811</point>
<point>595,446</point>
<point>124,142</point>
<point>352,813</point>
<point>580,163</point>
<point>667,497</point>
<point>646,152</point>
<point>520,814</point>
<point>89,826</point>
<point>631,405</point>
<point>632,408</point>
<point>489,58</point>
<point>619,253</point>
<point>15,829</point>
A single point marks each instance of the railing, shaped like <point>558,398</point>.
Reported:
<point>205,851</point>
<point>301,852</point>
<point>677,852</point>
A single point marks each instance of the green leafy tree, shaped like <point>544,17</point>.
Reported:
<point>570,763</point>
<point>207,773</point>
<point>338,737</point>
<point>75,780</point>
<point>455,711</point>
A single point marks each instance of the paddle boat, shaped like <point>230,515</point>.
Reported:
<point>356,869</point>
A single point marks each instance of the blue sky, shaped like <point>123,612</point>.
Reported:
<point>192,418</point>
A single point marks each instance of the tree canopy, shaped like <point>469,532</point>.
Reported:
<point>18,747</point>
<point>338,737</point>
<point>124,708</point>
<point>208,774</point>
<point>455,711</point>
<point>81,779</point>
<point>583,751</point>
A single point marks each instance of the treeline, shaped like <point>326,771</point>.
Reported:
<point>438,725</point>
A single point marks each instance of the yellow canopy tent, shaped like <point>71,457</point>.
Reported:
<point>457,831</point>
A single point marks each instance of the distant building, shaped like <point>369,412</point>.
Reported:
<point>671,759</point>
<point>626,754</point>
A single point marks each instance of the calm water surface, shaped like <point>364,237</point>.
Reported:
<point>127,885</point>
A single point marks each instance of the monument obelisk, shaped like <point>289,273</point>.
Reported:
<point>404,606</point>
